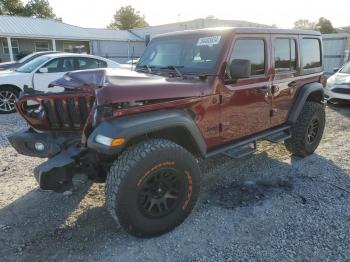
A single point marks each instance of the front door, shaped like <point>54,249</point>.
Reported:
<point>246,104</point>
<point>56,68</point>
<point>285,81</point>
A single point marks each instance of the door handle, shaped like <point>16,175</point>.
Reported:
<point>292,84</point>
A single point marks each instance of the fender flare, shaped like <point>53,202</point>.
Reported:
<point>302,97</point>
<point>132,126</point>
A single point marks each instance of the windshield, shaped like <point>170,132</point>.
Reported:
<point>190,54</point>
<point>32,65</point>
<point>346,69</point>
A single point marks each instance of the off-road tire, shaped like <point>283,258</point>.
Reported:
<point>11,92</point>
<point>132,171</point>
<point>298,144</point>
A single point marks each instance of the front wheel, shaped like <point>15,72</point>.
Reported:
<point>8,97</point>
<point>152,187</point>
<point>308,130</point>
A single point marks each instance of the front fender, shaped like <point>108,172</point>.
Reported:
<point>132,126</point>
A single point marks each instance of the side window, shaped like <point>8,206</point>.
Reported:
<point>52,66</point>
<point>41,46</point>
<point>102,64</point>
<point>15,48</point>
<point>90,63</point>
<point>311,51</point>
<point>68,64</point>
<point>60,65</point>
<point>285,55</point>
<point>253,50</point>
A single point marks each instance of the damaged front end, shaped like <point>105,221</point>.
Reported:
<point>56,124</point>
<point>75,129</point>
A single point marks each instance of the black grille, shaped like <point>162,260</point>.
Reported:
<point>69,113</point>
<point>341,90</point>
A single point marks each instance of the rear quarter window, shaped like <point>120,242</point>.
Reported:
<point>311,55</point>
<point>285,54</point>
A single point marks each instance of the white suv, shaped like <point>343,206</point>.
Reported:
<point>338,85</point>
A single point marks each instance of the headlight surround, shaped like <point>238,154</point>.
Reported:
<point>107,141</point>
<point>104,140</point>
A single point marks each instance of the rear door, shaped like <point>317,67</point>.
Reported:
<point>286,80</point>
<point>246,104</point>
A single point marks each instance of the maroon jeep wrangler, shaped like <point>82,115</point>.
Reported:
<point>193,94</point>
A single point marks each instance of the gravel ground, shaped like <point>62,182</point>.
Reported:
<point>268,206</point>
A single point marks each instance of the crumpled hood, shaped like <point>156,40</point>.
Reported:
<point>339,79</point>
<point>120,85</point>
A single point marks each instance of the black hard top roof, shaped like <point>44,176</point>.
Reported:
<point>243,30</point>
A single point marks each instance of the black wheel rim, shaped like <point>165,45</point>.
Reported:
<point>161,193</point>
<point>312,130</point>
<point>7,101</point>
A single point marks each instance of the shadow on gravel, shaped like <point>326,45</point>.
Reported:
<point>244,193</point>
<point>342,108</point>
<point>253,180</point>
<point>246,182</point>
<point>33,224</point>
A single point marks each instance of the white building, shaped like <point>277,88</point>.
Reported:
<point>21,35</point>
<point>25,35</point>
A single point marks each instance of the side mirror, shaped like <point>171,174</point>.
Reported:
<point>335,69</point>
<point>43,70</point>
<point>240,68</point>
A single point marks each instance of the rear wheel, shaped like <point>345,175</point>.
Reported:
<point>152,187</point>
<point>8,97</point>
<point>308,130</point>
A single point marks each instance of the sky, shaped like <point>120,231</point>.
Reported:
<point>99,13</point>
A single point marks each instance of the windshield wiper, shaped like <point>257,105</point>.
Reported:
<point>175,68</point>
<point>200,75</point>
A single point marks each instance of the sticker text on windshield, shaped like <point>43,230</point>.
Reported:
<point>210,40</point>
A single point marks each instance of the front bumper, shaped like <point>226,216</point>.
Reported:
<point>56,174</point>
<point>332,96</point>
<point>52,144</point>
<point>62,150</point>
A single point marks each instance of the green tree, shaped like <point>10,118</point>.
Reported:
<point>11,7</point>
<point>127,18</point>
<point>34,8</point>
<point>40,9</point>
<point>304,24</point>
<point>325,26</point>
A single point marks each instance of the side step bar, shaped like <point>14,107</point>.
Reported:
<point>248,146</point>
<point>279,137</point>
<point>241,151</point>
